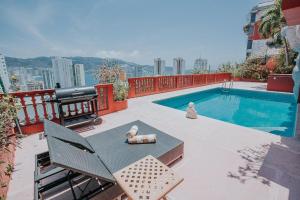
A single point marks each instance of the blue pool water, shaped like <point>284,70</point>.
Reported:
<point>266,111</point>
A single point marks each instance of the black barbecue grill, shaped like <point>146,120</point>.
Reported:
<point>77,106</point>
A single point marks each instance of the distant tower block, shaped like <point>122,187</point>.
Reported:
<point>179,65</point>
<point>4,74</point>
<point>63,71</point>
<point>201,64</point>
<point>159,66</point>
<point>79,75</point>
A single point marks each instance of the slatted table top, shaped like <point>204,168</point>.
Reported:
<point>147,178</point>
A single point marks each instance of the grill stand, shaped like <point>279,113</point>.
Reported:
<point>82,118</point>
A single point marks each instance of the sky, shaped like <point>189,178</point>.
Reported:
<point>132,30</point>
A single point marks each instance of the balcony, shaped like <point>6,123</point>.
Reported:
<point>221,160</point>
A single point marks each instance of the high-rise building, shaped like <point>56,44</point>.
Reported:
<point>179,65</point>
<point>256,45</point>
<point>4,73</point>
<point>63,72</point>
<point>201,64</point>
<point>79,75</point>
<point>138,71</point>
<point>48,78</point>
<point>159,66</point>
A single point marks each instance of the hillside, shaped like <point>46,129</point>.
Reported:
<point>90,63</point>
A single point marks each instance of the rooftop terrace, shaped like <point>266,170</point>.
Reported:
<point>221,160</point>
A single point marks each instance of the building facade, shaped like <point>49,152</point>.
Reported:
<point>63,72</point>
<point>201,64</point>
<point>35,85</point>
<point>48,79</point>
<point>256,45</point>
<point>4,74</point>
<point>79,75</point>
<point>179,65</point>
<point>159,66</point>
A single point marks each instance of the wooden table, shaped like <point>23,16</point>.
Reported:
<point>148,179</point>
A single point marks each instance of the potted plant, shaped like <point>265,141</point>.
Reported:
<point>110,72</point>
<point>8,113</point>
<point>120,95</point>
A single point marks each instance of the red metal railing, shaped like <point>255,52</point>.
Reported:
<point>35,107</point>
<point>153,85</point>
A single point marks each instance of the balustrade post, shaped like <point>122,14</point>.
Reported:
<point>82,107</point>
<point>76,109</point>
<point>36,114</point>
<point>131,83</point>
<point>23,104</point>
<point>52,108</point>
<point>193,80</point>
<point>89,105</point>
<point>177,82</point>
<point>69,110</point>
<point>44,106</point>
<point>156,84</point>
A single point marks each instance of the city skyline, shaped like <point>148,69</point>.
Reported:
<point>45,28</point>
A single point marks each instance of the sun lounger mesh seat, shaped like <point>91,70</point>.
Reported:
<point>54,130</point>
<point>116,153</point>
<point>67,156</point>
<point>101,155</point>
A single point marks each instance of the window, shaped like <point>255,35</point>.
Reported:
<point>253,16</point>
<point>249,44</point>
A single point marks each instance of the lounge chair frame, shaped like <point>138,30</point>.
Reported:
<point>43,160</point>
<point>92,159</point>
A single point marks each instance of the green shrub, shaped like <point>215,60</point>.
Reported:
<point>281,67</point>
<point>254,68</point>
<point>120,90</point>
<point>234,69</point>
<point>8,113</point>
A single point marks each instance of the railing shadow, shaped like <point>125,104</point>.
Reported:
<point>272,163</point>
<point>254,159</point>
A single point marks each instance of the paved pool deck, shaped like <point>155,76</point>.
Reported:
<point>221,160</point>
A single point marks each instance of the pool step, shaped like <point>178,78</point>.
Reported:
<point>227,85</point>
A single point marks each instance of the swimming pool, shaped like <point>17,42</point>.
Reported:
<point>267,111</point>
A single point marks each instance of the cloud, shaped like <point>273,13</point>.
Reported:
<point>118,54</point>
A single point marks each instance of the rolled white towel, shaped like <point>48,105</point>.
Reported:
<point>142,139</point>
<point>132,132</point>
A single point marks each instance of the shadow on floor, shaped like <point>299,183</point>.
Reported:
<point>253,159</point>
<point>278,163</point>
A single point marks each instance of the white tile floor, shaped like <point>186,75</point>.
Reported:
<point>222,160</point>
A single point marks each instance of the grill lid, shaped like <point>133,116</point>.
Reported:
<point>65,93</point>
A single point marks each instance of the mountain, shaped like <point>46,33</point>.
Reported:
<point>90,63</point>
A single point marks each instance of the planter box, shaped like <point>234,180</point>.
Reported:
<point>280,83</point>
<point>120,105</point>
<point>7,157</point>
<point>247,80</point>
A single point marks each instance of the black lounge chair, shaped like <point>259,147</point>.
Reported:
<point>84,166</point>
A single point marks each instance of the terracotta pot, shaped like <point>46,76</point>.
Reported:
<point>120,105</point>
